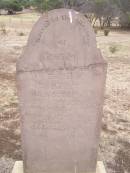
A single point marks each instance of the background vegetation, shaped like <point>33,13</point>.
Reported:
<point>103,11</point>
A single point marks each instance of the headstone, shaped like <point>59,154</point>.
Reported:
<point>61,79</point>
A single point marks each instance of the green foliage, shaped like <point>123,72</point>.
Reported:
<point>3,4</point>
<point>123,5</point>
<point>125,19</point>
<point>14,5</point>
<point>3,28</point>
<point>25,3</point>
<point>103,10</point>
<point>113,49</point>
<point>128,16</point>
<point>100,2</point>
<point>44,5</point>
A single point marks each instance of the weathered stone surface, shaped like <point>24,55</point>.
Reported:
<point>61,77</point>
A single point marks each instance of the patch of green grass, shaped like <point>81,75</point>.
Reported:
<point>113,48</point>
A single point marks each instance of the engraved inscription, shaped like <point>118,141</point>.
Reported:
<point>61,43</point>
<point>52,20</point>
<point>59,61</point>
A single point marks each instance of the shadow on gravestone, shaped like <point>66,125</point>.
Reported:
<point>61,78</point>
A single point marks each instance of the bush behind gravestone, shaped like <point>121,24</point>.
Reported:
<point>11,5</point>
<point>106,32</point>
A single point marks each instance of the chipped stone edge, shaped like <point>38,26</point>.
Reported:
<point>18,167</point>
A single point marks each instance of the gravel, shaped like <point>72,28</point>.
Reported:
<point>6,165</point>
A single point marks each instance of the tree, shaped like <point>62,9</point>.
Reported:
<point>124,7</point>
<point>3,4</point>
<point>25,3</point>
<point>11,5</point>
<point>102,10</point>
<point>43,5</point>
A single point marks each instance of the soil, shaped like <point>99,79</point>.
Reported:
<point>115,136</point>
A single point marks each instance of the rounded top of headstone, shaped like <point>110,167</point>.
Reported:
<point>61,39</point>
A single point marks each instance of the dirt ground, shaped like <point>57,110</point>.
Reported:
<point>115,136</point>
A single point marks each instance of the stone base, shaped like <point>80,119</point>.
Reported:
<point>18,167</point>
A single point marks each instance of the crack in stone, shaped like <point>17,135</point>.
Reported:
<point>64,68</point>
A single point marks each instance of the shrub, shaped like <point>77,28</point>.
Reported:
<point>124,20</point>
<point>106,32</point>
<point>113,49</point>
<point>15,5</point>
<point>95,30</point>
<point>3,28</point>
<point>11,6</point>
<point>21,33</point>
